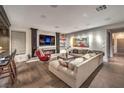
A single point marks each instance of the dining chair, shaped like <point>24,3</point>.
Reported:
<point>13,64</point>
<point>8,68</point>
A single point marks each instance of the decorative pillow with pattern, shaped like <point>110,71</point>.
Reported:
<point>92,54</point>
<point>63,63</point>
<point>87,56</point>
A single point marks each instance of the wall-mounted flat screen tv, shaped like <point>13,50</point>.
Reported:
<point>46,40</point>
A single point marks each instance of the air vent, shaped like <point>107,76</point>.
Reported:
<point>54,6</point>
<point>100,8</point>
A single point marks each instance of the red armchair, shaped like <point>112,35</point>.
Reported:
<point>42,56</point>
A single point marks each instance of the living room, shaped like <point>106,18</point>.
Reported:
<point>57,46</point>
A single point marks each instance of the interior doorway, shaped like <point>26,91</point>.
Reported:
<point>115,42</point>
<point>118,43</point>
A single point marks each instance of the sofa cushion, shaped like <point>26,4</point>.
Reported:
<point>75,62</point>
<point>79,52</point>
<point>75,51</point>
<point>92,54</point>
<point>67,71</point>
<point>76,55</point>
<point>65,62</point>
<point>54,64</point>
<point>84,51</point>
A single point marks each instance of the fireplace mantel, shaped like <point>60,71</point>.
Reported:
<point>51,49</point>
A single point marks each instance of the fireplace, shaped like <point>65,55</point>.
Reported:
<point>50,49</point>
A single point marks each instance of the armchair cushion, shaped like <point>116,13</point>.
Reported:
<point>41,56</point>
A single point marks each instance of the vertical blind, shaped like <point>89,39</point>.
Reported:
<point>18,41</point>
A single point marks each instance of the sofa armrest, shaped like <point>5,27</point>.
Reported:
<point>88,66</point>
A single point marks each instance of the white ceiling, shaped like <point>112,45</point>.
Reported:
<point>64,18</point>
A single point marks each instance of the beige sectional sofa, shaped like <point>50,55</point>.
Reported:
<point>82,69</point>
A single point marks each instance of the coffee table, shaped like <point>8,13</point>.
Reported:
<point>66,57</point>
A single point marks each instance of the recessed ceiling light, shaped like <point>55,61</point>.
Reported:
<point>100,8</point>
<point>54,6</point>
<point>107,19</point>
<point>43,16</point>
<point>85,15</point>
<point>56,26</point>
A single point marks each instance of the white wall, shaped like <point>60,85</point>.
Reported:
<point>97,39</point>
<point>28,37</point>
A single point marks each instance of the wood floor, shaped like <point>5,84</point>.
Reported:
<point>36,74</point>
<point>111,75</point>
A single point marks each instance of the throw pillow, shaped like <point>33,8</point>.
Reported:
<point>63,63</point>
<point>92,54</point>
<point>87,56</point>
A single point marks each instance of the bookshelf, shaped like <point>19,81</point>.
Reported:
<point>62,41</point>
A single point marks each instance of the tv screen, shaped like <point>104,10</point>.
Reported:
<point>46,40</point>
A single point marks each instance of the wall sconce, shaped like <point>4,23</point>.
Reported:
<point>71,41</point>
<point>1,48</point>
<point>98,39</point>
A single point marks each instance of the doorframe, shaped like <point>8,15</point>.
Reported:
<point>109,44</point>
<point>110,47</point>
